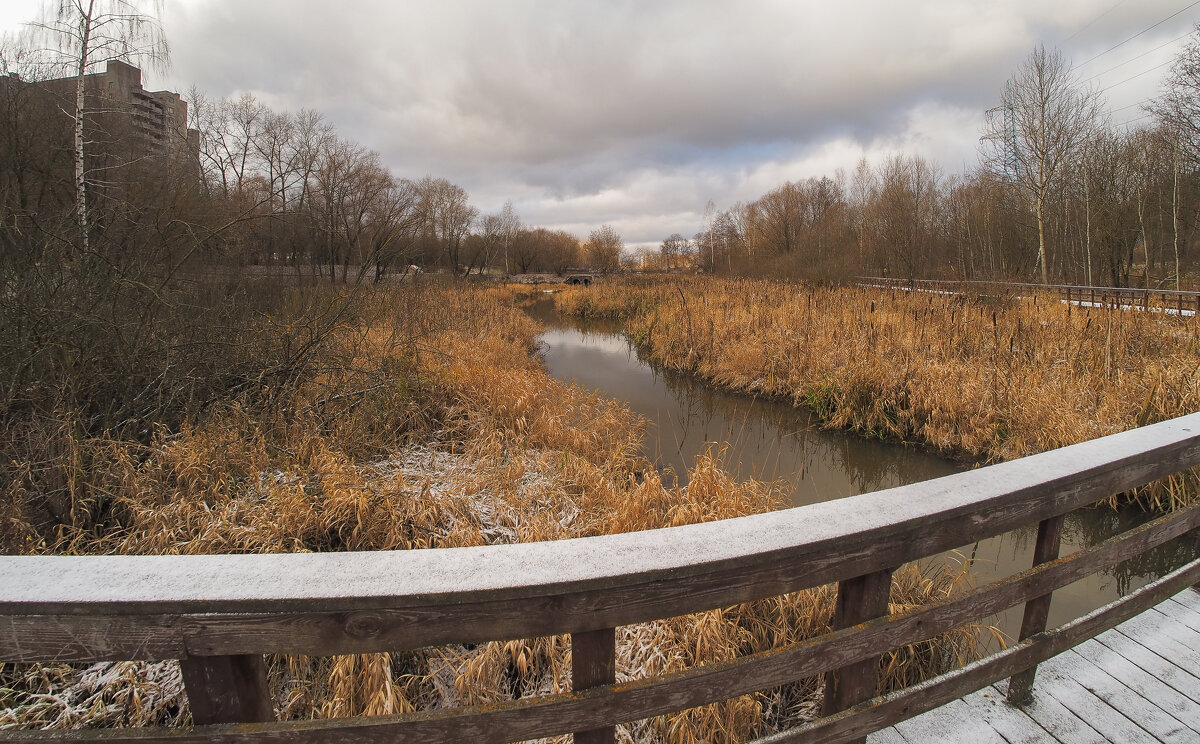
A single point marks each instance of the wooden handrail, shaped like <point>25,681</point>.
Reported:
<point>202,609</point>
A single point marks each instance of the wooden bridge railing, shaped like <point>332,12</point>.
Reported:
<point>1161,300</point>
<point>220,614</point>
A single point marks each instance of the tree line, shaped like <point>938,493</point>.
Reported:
<point>129,299</point>
<point>309,198</point>
<point>1059,195</point>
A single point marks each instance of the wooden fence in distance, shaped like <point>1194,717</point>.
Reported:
<point>1158,300</point>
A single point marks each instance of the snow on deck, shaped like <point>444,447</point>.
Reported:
<point>1139,682</point>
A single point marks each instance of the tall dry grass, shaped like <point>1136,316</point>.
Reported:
<point>425,423</point>
<point>978,379</point>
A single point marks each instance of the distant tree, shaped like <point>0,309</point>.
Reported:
<point>562,250</point>
<point>1178,114</point>
<point>672,249</point>
<point>783,211</point>
<point>903,218</point>
<point>487,243</point>
<point>393,221</point>
<point>604,247</point>
<point>510,225</point>
<point>1039,128</point>
<point>1178,108</point>
<point>447,217</point>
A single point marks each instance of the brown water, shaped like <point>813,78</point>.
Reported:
<point>771,440</point>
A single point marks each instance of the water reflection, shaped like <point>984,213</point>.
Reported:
<point>771,440</point>
<point>763,439</point>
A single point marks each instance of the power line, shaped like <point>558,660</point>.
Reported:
<point>1134,59</point>
<point>1127,122</point>
<point>1139,103</point>
<point>1139,33</point>
<point>1092,22</point>
<point>1107,88</point>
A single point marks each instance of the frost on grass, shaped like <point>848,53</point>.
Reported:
<point>478,499</point>
<point>107,694</point>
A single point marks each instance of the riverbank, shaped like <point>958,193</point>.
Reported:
<point>425,421</point>
<point>975,379</point>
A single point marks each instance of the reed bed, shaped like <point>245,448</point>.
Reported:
<point>427,422</point>
<point>979,379</point>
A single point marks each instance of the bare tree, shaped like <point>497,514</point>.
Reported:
<point>487,243</point>
<point>510,225</point>
<point>672,248</point>
<point>902,219</point>
<point>604,247</point>
<point>1178,108</point>
<point>1041,124</point>
<point>86,33</point>
<point>446,216</point>
<point>394,218</point>
<point>1178,113</point>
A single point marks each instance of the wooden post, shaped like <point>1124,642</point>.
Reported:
<point>594,663</point>
<point>227,689</point>
<point>859,599</point>
<point>1037,610</point>
<point>1196,547</point>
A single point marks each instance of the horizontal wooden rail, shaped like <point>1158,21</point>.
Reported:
<point>699,686</point>
<point>233,609</point>
<point>889,709</point>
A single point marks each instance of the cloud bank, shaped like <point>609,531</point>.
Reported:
<point>638,114</point>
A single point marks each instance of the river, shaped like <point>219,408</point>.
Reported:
<point>771,440</point>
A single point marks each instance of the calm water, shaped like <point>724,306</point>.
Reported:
<point>775,441</point>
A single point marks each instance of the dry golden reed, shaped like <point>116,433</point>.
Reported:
<point>427,423</point>
<point>973,378</point>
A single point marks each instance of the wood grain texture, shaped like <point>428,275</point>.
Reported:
<point>228,689</point>
<point>1185,682</point>
<point>42,638</point>
<point>825,542</point>
<point>1178,705</point>
<point>859,600</point>
<point>1037,610</point>
<point>71,637</point>
<point>594,664</point>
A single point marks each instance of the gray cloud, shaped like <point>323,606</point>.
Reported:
<point>636,114</point>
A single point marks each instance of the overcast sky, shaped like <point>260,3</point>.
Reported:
<point>637,114</point>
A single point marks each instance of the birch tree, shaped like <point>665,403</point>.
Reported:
<point>1041,124</point>
<point>83,34</point>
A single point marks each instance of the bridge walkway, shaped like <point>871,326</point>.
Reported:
<point>1139,682</point>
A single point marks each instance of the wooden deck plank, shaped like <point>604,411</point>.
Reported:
<point>1181,613</point>
<point>1154,631</point>
<point>1108,721</point>
<point>946,724</point>
<point>1134,683</point>
<point>1153,663</point>
<point>1101,683</point>
<point>1016,726</point>
<point>1190,599</point>
<point>1063,725</point>
<point>1143,683</point>
<point>1175,617</point>
<point>887,736</point>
